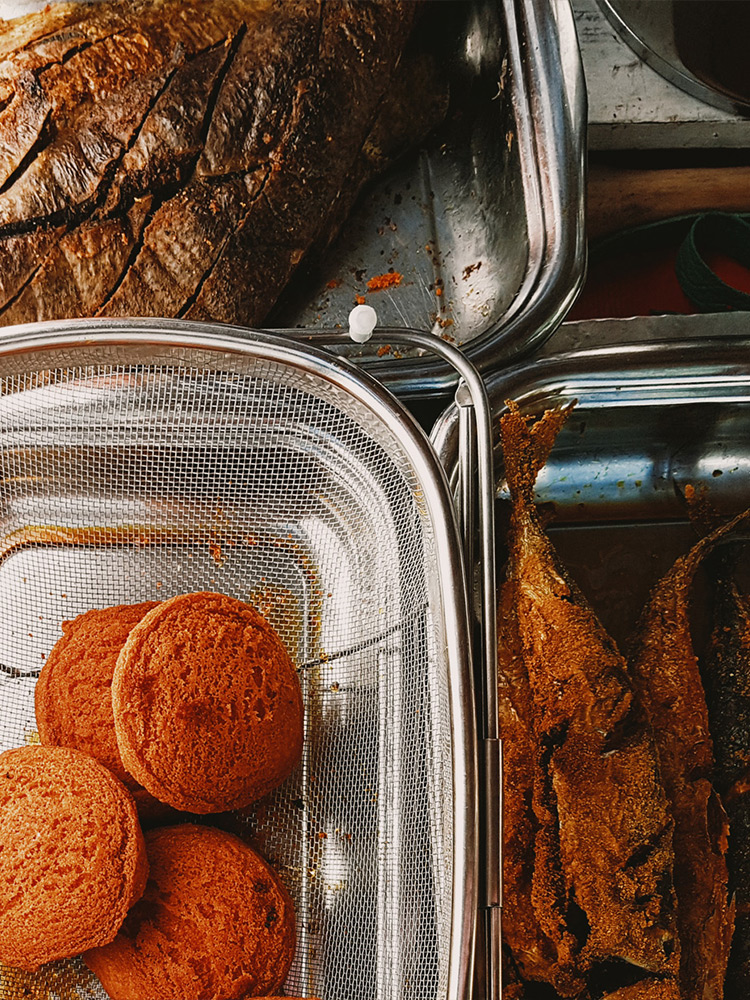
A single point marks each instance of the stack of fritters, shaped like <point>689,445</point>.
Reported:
<point>194,704</point>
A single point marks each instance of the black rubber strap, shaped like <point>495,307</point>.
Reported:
<point>724,233</point>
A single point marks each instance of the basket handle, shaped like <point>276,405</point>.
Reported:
<point>475,505</point>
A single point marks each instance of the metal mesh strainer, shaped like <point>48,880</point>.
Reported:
<point>141,460</point>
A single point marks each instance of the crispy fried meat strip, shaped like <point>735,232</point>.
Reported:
<point>665,670</point>
<point>602,879</point>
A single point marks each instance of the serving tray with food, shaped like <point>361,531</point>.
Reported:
<point>622,502</point>
<point>204,160</point>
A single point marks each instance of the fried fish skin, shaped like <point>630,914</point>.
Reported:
<point>224,119</point>
<point>536,955</point>
<point>726,672</point>
<point>666,671</point>
<point>648,989</point>
<point>603,846</point>
<point>737,804</point>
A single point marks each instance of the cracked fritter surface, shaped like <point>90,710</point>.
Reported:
<point>72,698</point>
<point>207,704</point>
<point>215,920</point>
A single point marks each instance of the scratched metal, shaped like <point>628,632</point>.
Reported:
<point>479,230</point>
<point>130,473</point>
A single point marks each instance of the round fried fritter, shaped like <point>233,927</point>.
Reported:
<point>214,921</point>
<point>207,704</point>
<point>72,856</point>
<point>73,699</point>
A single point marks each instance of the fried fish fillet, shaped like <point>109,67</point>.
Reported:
<point>601,887</point>
<point>647,989</point>
<point>536,955</point>
<point>726,673</point>
<point>727,680</point>
<point>666,671</point>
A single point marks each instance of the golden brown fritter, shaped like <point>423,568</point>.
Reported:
<point>207,704</point>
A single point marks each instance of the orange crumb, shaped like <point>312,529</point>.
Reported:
<point>360,300</point>
<point>385,349</point>
<point>333,283</point>
<point>388,280</point>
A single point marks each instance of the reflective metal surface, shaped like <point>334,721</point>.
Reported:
<point>686,43</point>
<point>154,458</point>
<point>485,224</point>
<point>650,418</point>
<point>652,380</point>
<point>482,227</point>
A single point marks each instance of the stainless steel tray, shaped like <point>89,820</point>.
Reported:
<point>650,418</point>
<point>652,32</point>
<point>485,222</point>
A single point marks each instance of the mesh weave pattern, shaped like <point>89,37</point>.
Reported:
<point>125,482</point>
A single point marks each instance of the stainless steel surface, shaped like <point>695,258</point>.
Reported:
<point>649,30</point>
<point>466,499</point>
<point>478,452</point>
<point>632,106</point>
<point>584,334</point>
<point>485,223</point>
<point>143,459</point>
<point>652,379</point>
<point>650,419</point>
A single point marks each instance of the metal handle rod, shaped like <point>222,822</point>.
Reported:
<point>465,493</point>
<point>476,416</point>
<point>471,383</point>
<point>479,420</point>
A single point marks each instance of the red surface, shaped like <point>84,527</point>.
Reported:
<point>642,282</point>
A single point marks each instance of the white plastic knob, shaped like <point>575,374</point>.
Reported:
<point>362,321</point>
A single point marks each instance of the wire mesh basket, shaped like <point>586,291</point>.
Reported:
<point>146,459</point>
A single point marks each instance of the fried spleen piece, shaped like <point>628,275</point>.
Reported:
<point>602,856</point>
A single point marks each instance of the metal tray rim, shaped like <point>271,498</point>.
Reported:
<point>639,374</point>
